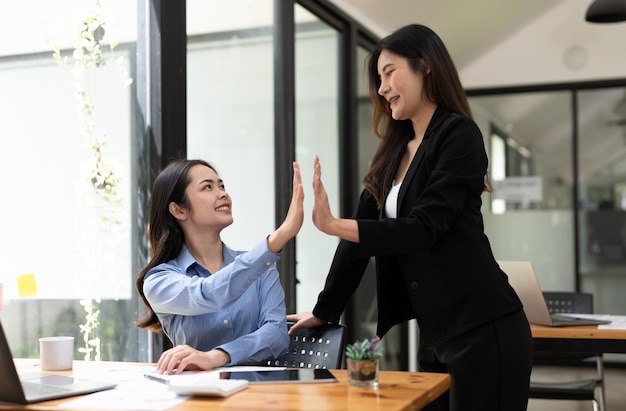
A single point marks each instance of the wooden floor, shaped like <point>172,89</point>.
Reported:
<point>615,389</point>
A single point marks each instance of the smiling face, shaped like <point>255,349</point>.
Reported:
<point>401,86</point>
<point>209,203</point>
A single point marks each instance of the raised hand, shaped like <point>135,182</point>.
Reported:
<point>322,216</point>
<point>295,215</point>
<point>323,219</point>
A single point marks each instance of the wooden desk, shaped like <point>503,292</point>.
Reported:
<point>581,338</point>
<point>397,390</point>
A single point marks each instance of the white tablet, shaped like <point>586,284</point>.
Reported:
<point>206,386</point>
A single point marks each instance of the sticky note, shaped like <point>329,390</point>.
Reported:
<point>26,285</point>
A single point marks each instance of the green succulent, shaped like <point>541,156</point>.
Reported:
<point>368,349</point>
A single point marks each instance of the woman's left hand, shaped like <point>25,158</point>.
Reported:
<point>183,357</point>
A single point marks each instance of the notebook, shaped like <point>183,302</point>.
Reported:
<point>524,281</point>
<point>36,386</point>
<point>207,388</point>
<point>206,384</point>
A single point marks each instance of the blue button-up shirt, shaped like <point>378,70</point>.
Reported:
<point>239,309</point>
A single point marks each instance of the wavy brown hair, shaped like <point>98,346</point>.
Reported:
<point>165,235</point>
<point>422,48</point>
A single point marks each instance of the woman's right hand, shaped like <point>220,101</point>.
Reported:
<point>295,215</point>
<point>303,320</point>
<point>183,357</point>
<point>322,216</point>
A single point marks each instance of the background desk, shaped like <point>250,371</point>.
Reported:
<point>582,338</point>
<point>397,390</point>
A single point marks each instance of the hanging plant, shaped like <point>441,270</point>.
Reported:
<point>90,54</point>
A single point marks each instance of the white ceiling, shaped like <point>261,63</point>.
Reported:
<point>541,122</point>
<point>469,28</point>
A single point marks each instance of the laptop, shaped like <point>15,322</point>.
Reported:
<point>37,386</point>
<point>524,281</point>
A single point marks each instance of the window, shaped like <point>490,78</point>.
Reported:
<point>66,172</point>
<point>231,107</point>
<point>317,133</point>
<point>528,137</point>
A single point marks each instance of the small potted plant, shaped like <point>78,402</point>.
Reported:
<point>362,360</point>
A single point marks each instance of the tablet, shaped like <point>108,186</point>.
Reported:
<point>281,375</point>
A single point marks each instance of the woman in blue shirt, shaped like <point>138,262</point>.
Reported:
<point>218,306</point>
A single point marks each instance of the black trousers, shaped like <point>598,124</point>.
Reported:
<point>489,365</point>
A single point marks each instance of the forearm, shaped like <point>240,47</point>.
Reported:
<point>277,240</point>
<point>344,277</point>
<point>346,229</point>
<point>269,341</point>
<point>218,357</point>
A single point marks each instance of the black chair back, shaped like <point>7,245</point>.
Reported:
<point>568,302</point>
<point>317,347</point>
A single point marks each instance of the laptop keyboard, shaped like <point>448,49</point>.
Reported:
<point>34,389</point>
<point>562,318</point>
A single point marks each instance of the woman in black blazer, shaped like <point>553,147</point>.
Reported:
<point>419,215</point>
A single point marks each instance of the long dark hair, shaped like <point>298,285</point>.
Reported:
<point>165,236</point>
<point>423,49</point>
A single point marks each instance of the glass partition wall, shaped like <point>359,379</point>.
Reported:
<point>530,154</point>
<point>602,197</point>
<point>557,161</point>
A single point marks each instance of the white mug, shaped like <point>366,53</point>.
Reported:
<point>56,353</point>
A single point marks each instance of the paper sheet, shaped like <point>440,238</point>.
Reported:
<point>617,322</point>
<point>133,392</point>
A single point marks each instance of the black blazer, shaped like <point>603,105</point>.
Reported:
<point>434,262</point>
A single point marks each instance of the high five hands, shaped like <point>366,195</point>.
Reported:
<point>323,218</point>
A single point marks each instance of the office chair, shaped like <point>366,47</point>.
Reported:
<point>570,302</point>
<point>317,347</point>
